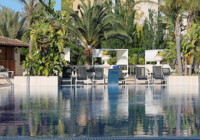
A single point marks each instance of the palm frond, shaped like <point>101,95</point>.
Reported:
<point>117,34</point>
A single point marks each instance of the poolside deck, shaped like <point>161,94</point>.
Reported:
<point>129,80</point>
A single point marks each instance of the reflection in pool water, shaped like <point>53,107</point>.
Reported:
<point>100,111</point>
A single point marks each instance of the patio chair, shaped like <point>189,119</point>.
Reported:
<point>81,75</point>
<point>98,75</point>
<point>166,71</point>
<point>67,74</point>
<point>141,75</point>
<point>158,74</point>
<point>122,77</point>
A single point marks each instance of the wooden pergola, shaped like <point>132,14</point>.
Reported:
<point>9,53</point>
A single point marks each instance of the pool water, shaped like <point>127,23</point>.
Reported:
<point>100,111</point>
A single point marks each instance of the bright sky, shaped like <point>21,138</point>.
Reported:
<point>18,6</point>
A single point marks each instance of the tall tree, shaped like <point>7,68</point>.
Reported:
<point>30,6</point>
<point>190,45</point>
<point>125,14</point>
<point>175,10</point>
<point>192,8</point>
<point>47,37</point>
<point>153,31</point>
<point>93,24</point>
<point>11,23</point>
<point>63,17</point>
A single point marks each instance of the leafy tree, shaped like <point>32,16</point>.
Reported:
<point>190,44</point>
<point>76,54</point>
<point>71,41</point>
<point>170,53</point>
<point>176,10</point>
<point>48,38</point>
<point>153,31</point>
<point>11,23</point>
<point>147,36</point>
<point>30,6</point>
<point>23,53</point>
<point>126,13</point>
<point>192,8</point>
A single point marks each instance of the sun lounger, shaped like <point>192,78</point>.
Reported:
<point>122,77</point>
<point>141,75</point>
<point>67,74</point>
<point>158,74</point>
<point>98,75</point>
<point>81,75</point>
<point>166,71</point>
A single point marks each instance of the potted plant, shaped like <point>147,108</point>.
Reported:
<point>105,57</point>
<point>158,57</point>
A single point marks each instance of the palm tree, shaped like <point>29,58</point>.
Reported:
<point>192,8</point>
<point>11,23</point>
<point>176,10</point>
<point>30,7</point>
<point>92,24</point>
<point>66,3</point>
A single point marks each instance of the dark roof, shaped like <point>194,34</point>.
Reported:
<point>4,41</point>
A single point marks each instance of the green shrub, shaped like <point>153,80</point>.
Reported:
<point>112,61</point>
<point>133,59</point>
<point>141,61</point>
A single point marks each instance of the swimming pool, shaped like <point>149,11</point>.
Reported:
<point>100,111</point>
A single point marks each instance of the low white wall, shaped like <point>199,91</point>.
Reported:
<point>182,80</point>
<point>183,91</point>
<point>36,80</point>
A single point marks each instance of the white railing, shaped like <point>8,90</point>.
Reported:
<point>7,79</point>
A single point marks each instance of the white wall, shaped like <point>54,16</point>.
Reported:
<point>36,80</point>
<point>183,81</point>
<point>143,10</point>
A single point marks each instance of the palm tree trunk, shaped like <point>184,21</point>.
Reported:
<point>29,25</point>
<point>191,64</point>
<point>29,6</point>
<point>185,66</point>
<point>178,43</point>
<point>190,19</point>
